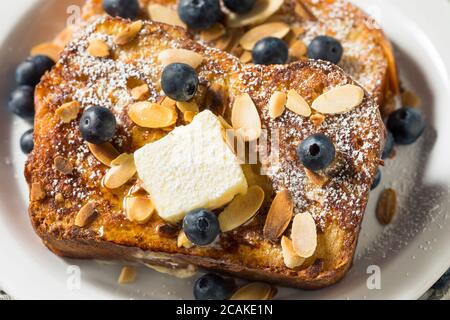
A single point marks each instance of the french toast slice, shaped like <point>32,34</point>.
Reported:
<point>58,194</point>
<point>368,55</point>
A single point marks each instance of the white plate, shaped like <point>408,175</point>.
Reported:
<point>412,253</point>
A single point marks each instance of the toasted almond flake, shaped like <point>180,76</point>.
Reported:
<point>152,115</point>
<point>279,216</point>
<point>183,241</point>
<point>63,165</point>
<point>261,11</point>
<point>188,106</point>
<point>164,14</point>
<point>105,153</point>
<point>298,30</point>
<point>48,49</point>
<point>213,33</point>
<point>140,92</point>
<point>139,209</point>
<point>315,178</point>
<point>242,209</point>
<point>86,215</point>
<point>123,169</point>
<point>63,38</point>
<point>224,123</point>
<point>291,259</point>
<point>37,193</point>
<point>129,33</point>
<point>189,116</point>
<point>255,291</point>
<point>246,57</point>
<point>168,103</point>
<point>98,48</point>
<point>277,104</point>
<point>224,42</point>
<point>245,118</point>
<point>304,235</point>
<point>127,275</point>
<point>317,119</point>
<point>297,104</point>
<point>68,111</point>
<point>339,100</point>
<point>271,29</point>
<point>189,57</point>
<point>298,49</point>
<point>303,12</point>
<point>386,206</point>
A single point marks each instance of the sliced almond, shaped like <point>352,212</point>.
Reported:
<point>189,116</point>
<point>261,11</point>
<point>129,33</point>
<point>245,118</point>
<point>164,14</point>
<point>121,172</point>
<point>315,178</point>
<point>140,92</point>
<point>63,165</point>
<point>317,119</point>
<point>298,49</point>
<point>386,206</point>
<point>68,111</point>
<point>277,104</point>
<point>139,209</point>
<point>255,291</point>
<point>98,48</point>
<point>183,241</point>
<point>213,33</point>
<point>297,104</point>
<point>304,235</point>
<point>86,215</point>
<point>127,275</point>
<point>246,57</point>
<point>168,103</point>
<point>291,259</point>
<point>37,193</point>
<point>188,106</point>
<point>225,123</point>
<point>242,209</point>
<point>48,49</point>
<point>272,29</point>
<point>303,12</point>
<point>339,100</point>
<point>152,115</point>
<point>279,216</point>
<point>105,153</point>
<point>298,30</point>
<point>189,57</point>
<point>224,42</point>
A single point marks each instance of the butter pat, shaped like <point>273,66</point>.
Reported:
<point>191,168</point>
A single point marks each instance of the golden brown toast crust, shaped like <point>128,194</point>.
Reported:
<point>368,55</point>
<point>337,207</point>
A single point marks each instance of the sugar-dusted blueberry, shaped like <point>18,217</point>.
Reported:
<point>199,14</point>
<point>201,227</point>
<point>98,125</point>
<point>30,71</point>
<point>179,81</point>
<point>269,51</point>
<point>316,152</point>
<point>325,48</point>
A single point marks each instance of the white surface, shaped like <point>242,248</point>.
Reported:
<point>412,253</point>
<point>179,181</point>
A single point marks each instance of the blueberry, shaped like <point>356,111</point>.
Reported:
<point>377,180</point>
<point>26,141</point>
<point>21,102</point>
<point>213,287</point>
<point>97,125</point>
<point>406,125</point>
<point>199,14</point>
<point>240,6</point>
<point>32,69</point>
<point>127,9</point>
<point>389,146</point>
<point>325,48</point>
<point>270,50</point>
<point>179,81</point>
<point>316,152</point>
<point>201,227</point>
